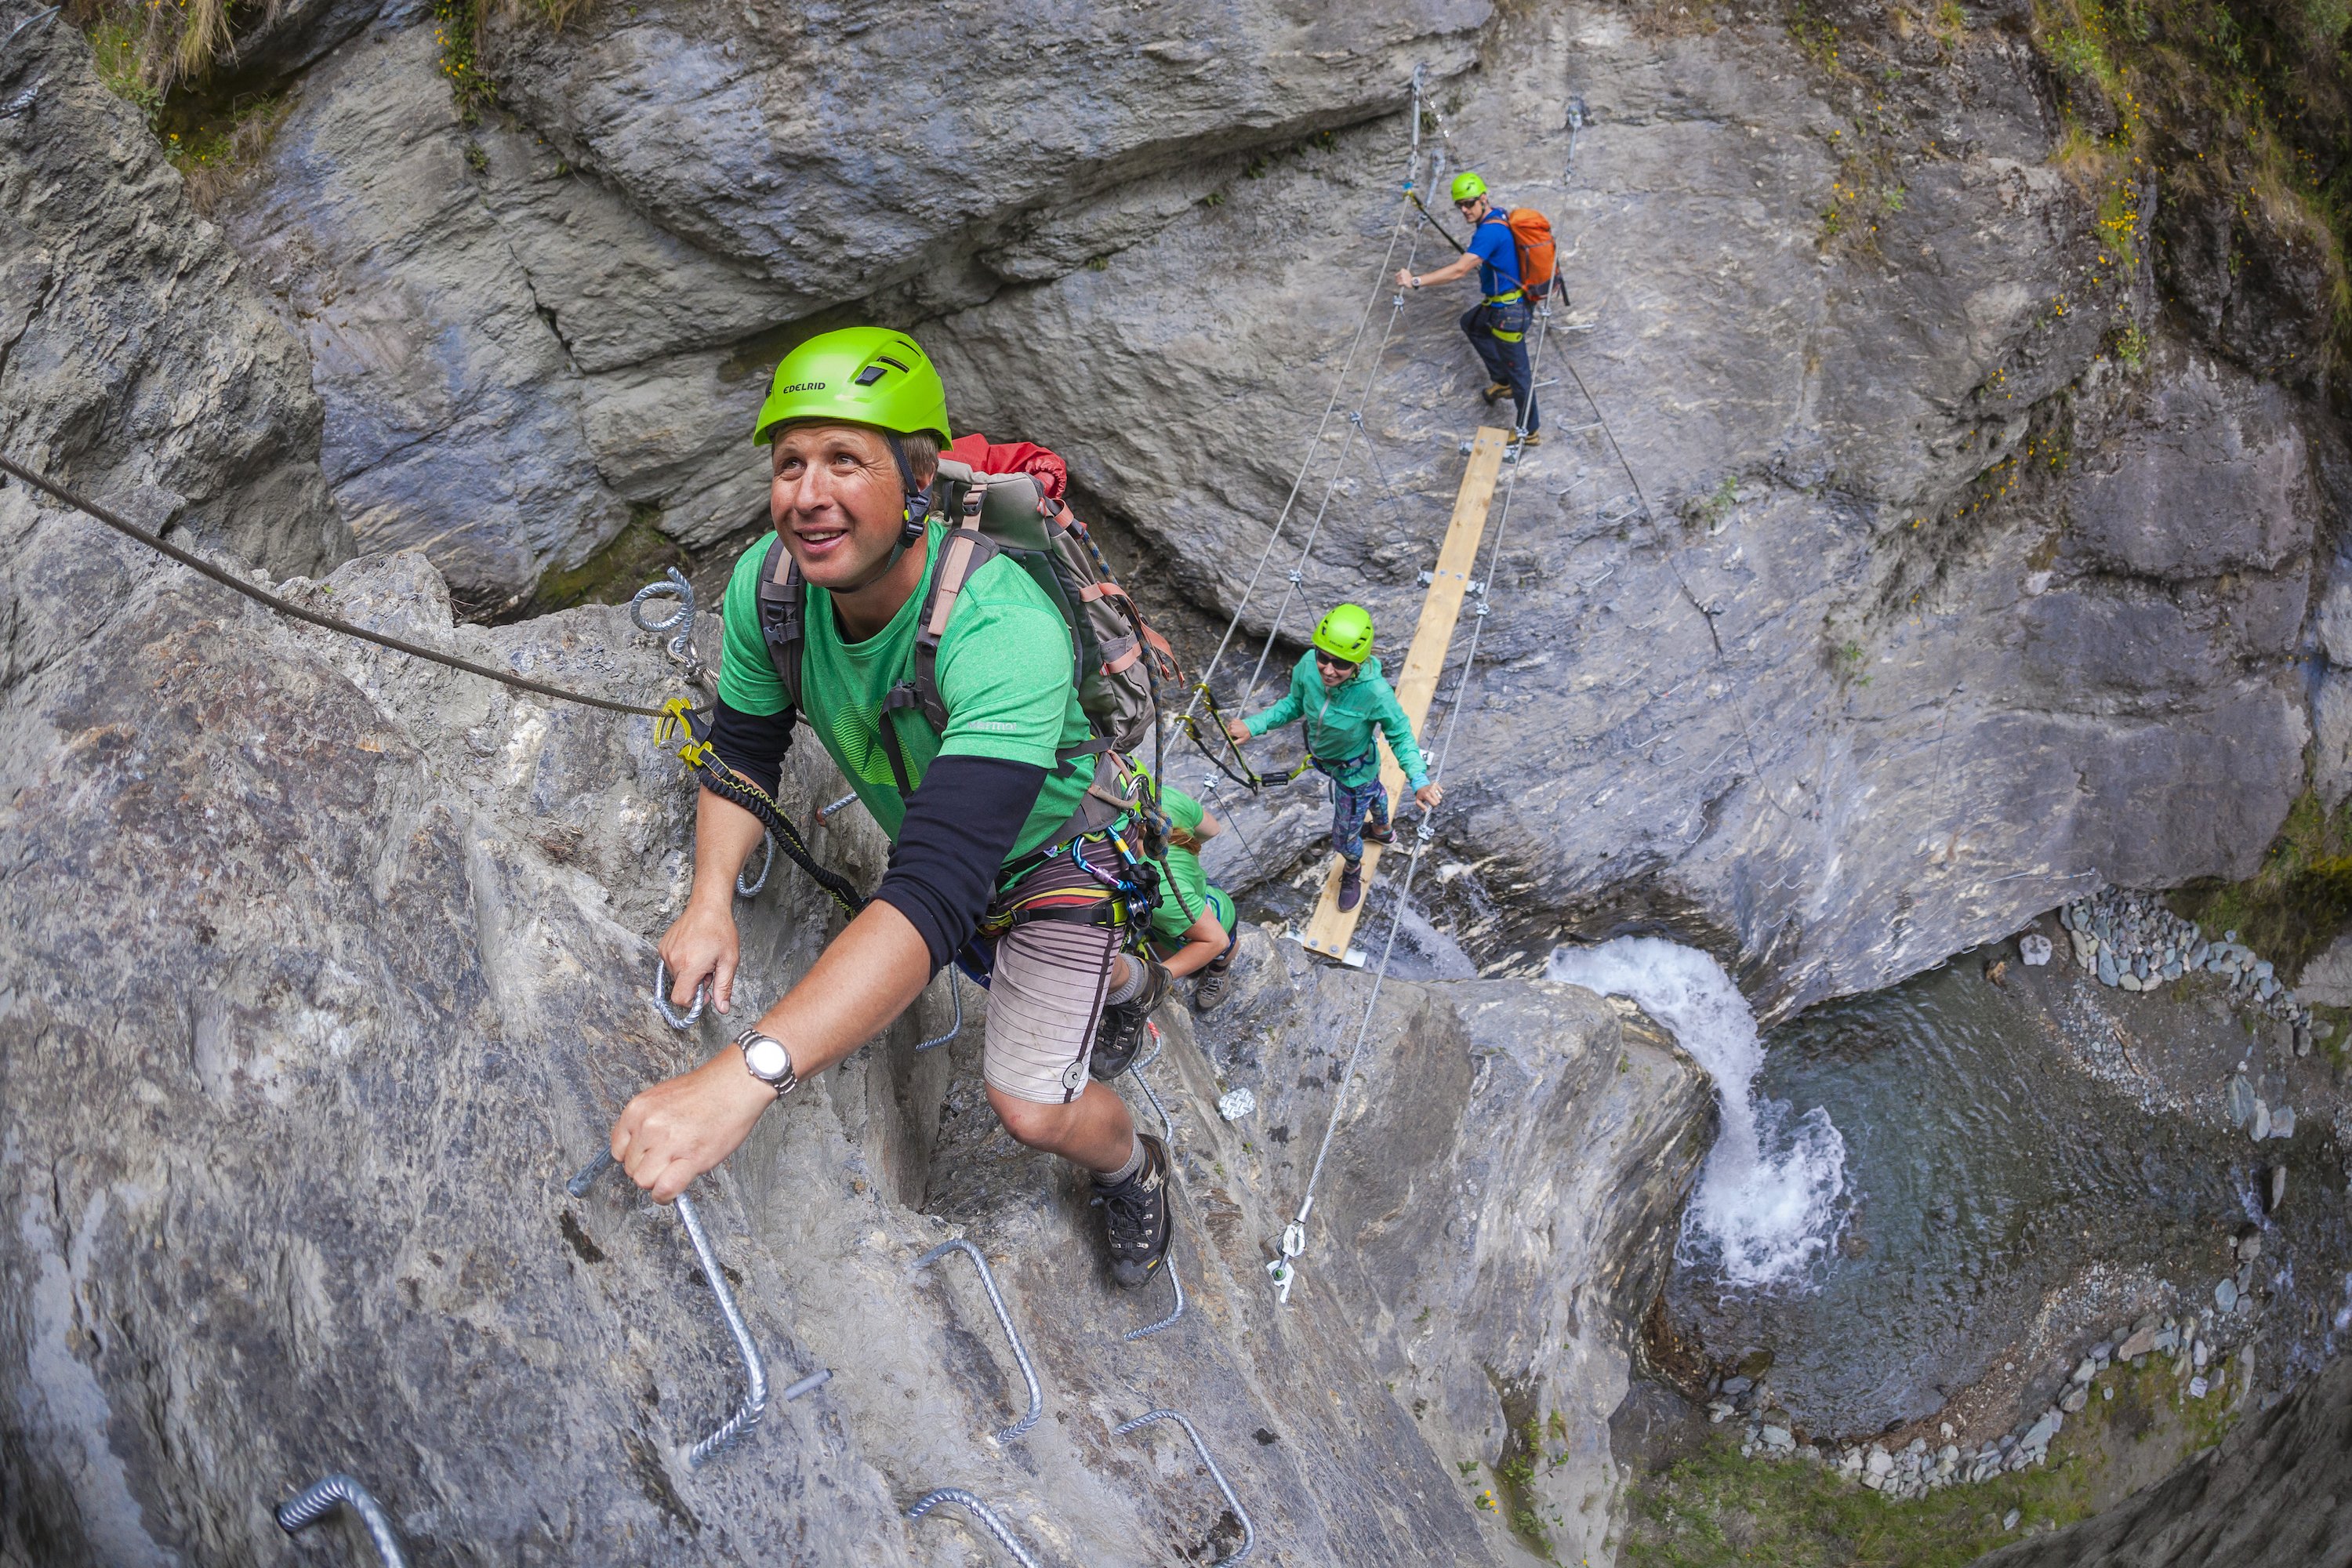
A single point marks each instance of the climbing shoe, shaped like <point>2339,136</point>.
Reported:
<point>1214,982</point>
<point>1120,1034</point>
<point>1379,833</point>
<point>1136,1224</point>
<point>1352,887</point>
<point>1496,389</point>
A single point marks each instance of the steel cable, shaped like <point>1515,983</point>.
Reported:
<point>286,606</point>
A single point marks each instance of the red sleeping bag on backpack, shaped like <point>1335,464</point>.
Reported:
<point>977,452</point>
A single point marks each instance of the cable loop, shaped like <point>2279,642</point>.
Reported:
<point>662,1003</point>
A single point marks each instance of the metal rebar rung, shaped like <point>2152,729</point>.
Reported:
<point>954,1029</point>
<point>1176,1281</point>
<point>981,1512</point>
<point>321,1498</point>
<point>670,1016</point>
<point>831,808</point>
<point>754,1403</point>
<point>995,1299</point>
<point>767,863</point>
<point>672,585</point>
<point>1249,1534</point>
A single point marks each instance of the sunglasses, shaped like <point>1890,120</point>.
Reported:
<point>1328,662</point>
<point>1472,202</point>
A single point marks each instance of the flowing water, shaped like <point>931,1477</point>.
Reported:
<point>1904,1180</point>
<point>1772,1195</point>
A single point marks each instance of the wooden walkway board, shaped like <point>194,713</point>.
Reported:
<point>1330,932</point>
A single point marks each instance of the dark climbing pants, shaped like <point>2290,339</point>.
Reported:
<point>1349,807</point>
<point>1506,359</point>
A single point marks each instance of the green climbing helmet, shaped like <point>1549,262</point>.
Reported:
<point>1468,186</point>
<point>1346,632</point>
<point>858,375</point>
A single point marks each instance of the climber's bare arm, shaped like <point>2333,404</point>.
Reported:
<point>702,941</point>
<point>1460,267</point>
<point>1203,942</point>
<point>866,978</point>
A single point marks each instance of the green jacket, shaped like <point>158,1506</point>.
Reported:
<point>1340,724</point>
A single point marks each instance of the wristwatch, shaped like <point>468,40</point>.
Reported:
<point>765,1058</point>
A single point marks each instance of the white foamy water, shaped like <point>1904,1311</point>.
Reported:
<point>1767,1204</point>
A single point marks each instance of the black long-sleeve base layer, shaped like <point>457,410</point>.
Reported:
<point>961,824</point>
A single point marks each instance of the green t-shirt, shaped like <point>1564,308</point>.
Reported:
<point>1184,891</point>
<point>1003,675</point>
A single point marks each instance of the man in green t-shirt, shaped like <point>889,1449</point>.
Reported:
<point>992,826</point>
<point>1194,928</point>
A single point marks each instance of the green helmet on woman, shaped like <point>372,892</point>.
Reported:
<point>857,375</point>
<point>1346,632</point>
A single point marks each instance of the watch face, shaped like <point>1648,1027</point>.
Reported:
<point>767,1059</point>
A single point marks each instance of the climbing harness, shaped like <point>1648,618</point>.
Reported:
<point>981,1512</point>
<point>754,1403</point>
<point>288,607</point>
<point>322,1496</point>
<point>1209,1462</point>
<point>670,1016</point>
<point>1012,1334</point>
<point>1284,1270</point>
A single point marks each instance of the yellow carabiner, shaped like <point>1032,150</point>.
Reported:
<point>677,719</point>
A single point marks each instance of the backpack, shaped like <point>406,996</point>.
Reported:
<point>1117,660</point>
<point>1531,232</point>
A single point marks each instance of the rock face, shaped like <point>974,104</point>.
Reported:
<point>525,326</point>
<point>136,355</point>
<point>329,967</point>
<point>2272,1492</point>
<point>1923,611</point>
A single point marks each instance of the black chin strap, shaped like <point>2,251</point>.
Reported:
<point>919,498</point>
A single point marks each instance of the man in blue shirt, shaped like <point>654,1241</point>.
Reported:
<point>1497,325</point>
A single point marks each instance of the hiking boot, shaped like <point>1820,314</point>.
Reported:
<point>1213,983</point>
<point>1352,887</point>
<point>1120,1034</point>
<point>1137,1227</point>
<point>1379,833</point>
<point>1496,389</point>
<point>1532,439</point>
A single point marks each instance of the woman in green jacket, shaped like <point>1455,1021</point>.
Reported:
<point>1337,692</point>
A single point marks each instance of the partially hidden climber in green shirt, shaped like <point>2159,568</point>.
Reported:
<point>1338,692</point>
<point>1193,928</point>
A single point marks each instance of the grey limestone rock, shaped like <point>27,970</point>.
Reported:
<point>2272,1491</point>
<point>139,357</point>
<point>329,965</point>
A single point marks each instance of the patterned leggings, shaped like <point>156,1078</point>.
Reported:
<point>1349,807</point>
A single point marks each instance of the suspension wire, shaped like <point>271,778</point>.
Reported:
<point>288,607</point>
<point>1657,526</point>
<point>1294,1235</point>
<point>1314,442</point>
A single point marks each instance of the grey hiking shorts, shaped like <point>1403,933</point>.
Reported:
<point>1045,990</point>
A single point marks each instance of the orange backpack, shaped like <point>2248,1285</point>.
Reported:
<point>1531,232</point>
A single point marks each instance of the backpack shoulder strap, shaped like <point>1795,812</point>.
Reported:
<point>964,551</point>
<point>783,617</point>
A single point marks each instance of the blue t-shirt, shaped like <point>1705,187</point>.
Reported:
<point>1498,254</point>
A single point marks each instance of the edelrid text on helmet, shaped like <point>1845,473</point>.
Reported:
<point>1346,632</point>
<point>857,375</point>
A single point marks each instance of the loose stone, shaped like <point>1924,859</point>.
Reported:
<point>2034,948</point>
<point>2225,1294</point>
